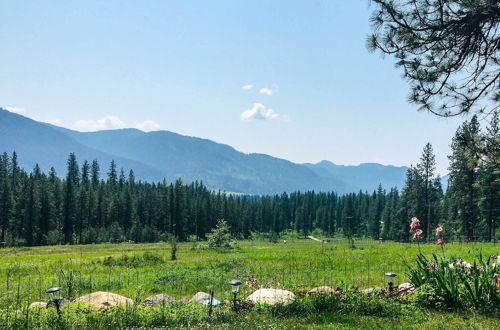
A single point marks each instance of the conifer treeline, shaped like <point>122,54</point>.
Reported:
<point>38,208</point>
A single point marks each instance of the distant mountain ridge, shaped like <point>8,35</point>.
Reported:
<point>162,154</point>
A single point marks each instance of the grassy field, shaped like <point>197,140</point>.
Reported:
<point>139,270</point>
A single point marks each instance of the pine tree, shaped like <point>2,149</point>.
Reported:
<point>56,223</point>
<point>112,176</point>
<point>426,169</point>
<point>31,211</point>
<point>83,207</point>
<point>463,176</point>
<point>70,198</point>
<point>411,203</point>
<point>95,177</point>
<point>489,179</point>
<point>5,197</point>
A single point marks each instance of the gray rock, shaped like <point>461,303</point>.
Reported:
<point>100,299</point>
<point>38,304</point>
<point>158,300</point>
<point>200,297</point>
<point>62,302</point>
<point>405,288</point>
<point>368,291</point>
<point>321,290</point>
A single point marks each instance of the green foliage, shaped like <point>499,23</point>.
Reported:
<point>41,209</point>
<point>134,261</point>
<point>426,295</point>
<point>448,51</point>
<point>220,236</point>
<point>310,262</point>
<point>441,282</point>
<point>13,241</point>
<point>173,247</point>
<point>346,303</point>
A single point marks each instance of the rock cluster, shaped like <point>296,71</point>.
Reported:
<point>100,299</point>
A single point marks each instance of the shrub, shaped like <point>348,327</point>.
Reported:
<point>456,283</point>
<point>427,296</point>
<point>13,241</point>
<point>173,245</point>
<point>135,261</point>
<point>346,303</point>
<point>220,237</point>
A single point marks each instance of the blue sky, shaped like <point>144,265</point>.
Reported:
<point>187,66</point>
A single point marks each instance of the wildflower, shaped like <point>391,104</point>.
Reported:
<point>440,241</point>
<point>433,266</point>
<point>439,230</point>
<point>415,223</point>
<point>451,266</point>
<point>418,234</point>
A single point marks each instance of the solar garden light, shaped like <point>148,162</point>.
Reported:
<point>390,281</point>
<point>55,300</point>
<point>236,288</point>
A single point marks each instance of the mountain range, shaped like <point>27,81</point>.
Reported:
<point>166,155</point>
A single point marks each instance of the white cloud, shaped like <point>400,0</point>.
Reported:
<point>259,112</point>
<point>267,91</point>
<point>247,87</point>
<point>56,122</point>
<point>15,109</point>
<point>108,122</point>
<point>148,126</point>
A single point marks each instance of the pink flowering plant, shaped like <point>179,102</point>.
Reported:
<point>456,283</point>
<point>440,240</point>
<point>414,225</point>
<point>439,231</point>
<point>417,232</point>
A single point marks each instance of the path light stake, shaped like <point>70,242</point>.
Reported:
<point>210,303</point>
<point>236,288</point>
<point>390,282</point>
<point>55,300</point>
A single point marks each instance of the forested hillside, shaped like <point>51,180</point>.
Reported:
<point>38,208</point>
<point>159,155</point>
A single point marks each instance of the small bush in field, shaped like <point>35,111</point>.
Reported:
<point>173,246</point>
<point>220,237</point>
<point>134,261</point>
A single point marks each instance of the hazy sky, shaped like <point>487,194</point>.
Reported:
<point>292,79</point>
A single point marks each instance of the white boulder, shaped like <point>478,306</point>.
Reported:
<point>272,297</point>
<point>101,299</point>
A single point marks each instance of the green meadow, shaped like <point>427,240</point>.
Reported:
<point>140,270</point>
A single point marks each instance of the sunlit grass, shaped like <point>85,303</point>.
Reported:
<point>295,265</point>
<point>139,270</point>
